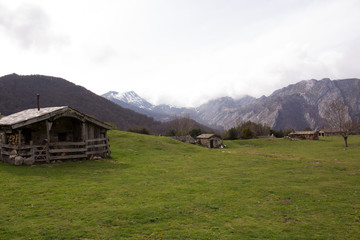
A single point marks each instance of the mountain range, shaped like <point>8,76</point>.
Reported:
<point>296,106</point>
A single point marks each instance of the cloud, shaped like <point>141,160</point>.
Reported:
<point>182,52</point>
<point>29,26</point>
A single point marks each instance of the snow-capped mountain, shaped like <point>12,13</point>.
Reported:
<point>128,98</point>
<point>136,103</point>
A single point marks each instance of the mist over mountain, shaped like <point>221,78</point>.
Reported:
<point>138,104</point>
<point>296,106</point>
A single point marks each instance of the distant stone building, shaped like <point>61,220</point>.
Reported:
<point>209,140</point>
<point>329,132</point>
<point>305,135</point>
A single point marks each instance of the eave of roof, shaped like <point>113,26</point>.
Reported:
<point>30,116</point>
<point>205,135</point>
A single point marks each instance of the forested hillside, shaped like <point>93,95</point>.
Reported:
<point>18,93</point>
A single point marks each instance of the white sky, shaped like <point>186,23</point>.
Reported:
<point>181,52</point>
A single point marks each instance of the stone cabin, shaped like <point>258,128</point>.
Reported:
<point>51,134</point>
<point>305,135</point>
<point>209,140</point>
<point>329,132</point>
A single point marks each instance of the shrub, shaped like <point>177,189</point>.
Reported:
<point>140,130</point>
<point>170,133</point>
<point>195,132</point>
<point>247,130</point>
<point>246,133</point>
<point>231,134</point>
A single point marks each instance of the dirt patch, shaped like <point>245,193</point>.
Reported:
<point>288,200</point>
<point>288,219</point>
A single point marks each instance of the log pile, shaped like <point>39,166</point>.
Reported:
<point>13,139</point>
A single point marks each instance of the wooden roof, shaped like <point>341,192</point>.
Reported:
<point>34,115</point>
<point>27,115</point>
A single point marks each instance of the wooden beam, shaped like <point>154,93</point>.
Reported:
<point>7,153</point>
<point>96,146</point>
<point>95,140</point>
<point>59,144</point>
<point>3,138</point>
<point>71,114</point>
<point>107,145</point>
<point>19,140</point>
<point>20,148</point>
<point>84,132</point>
<point>67,150</point>
<point>48,127</point>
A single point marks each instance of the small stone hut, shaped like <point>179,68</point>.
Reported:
<point>329,132</point>
<point>50,134</point>
<point>209,140</point>
<point>305,135</point>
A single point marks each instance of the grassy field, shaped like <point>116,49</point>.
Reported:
<point>158,188</point>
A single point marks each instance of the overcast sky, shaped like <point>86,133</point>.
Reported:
<point>181,52</point>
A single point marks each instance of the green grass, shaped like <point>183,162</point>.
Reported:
<point>158,188</point>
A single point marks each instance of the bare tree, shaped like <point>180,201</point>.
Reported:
<point>338,119</point>
<point>181,125</point>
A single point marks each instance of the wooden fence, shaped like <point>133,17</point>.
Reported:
<point>59,150</point>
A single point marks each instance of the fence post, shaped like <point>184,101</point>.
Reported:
<point>107,146</point>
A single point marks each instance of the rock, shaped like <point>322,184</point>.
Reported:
<point>29,161</point>
<point>18,160</point>
<point>13,154</point>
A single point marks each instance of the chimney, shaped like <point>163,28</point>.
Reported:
<point>38,101</point>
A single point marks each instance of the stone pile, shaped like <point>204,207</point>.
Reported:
<point>17,160</point>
